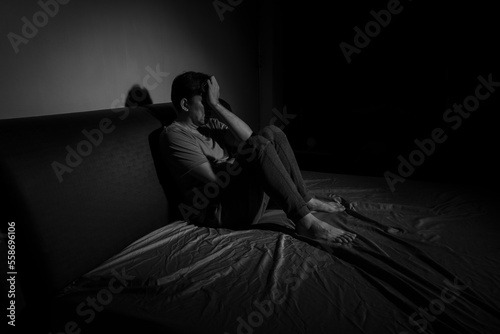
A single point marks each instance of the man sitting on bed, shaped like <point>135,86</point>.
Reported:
<point>226,172</point>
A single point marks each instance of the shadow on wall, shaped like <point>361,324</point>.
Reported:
<point>138,96</point>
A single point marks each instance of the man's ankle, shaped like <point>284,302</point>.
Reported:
<point>306,221</point>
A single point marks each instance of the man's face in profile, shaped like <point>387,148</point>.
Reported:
<point>197,110</point>
<point>204,100</point>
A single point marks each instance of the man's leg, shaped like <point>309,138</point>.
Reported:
<point>243,200</point>
<point>280,142</point>
<point>286,156</point>
<point>259,156</point>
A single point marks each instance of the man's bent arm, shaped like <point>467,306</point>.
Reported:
<point>204,173</point>
<point>236,125</point>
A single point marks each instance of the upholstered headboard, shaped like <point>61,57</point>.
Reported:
<point>80,187</point>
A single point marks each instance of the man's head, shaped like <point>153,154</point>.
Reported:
<point>187,95</point>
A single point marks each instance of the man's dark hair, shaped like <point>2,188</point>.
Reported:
<point>187,85</point>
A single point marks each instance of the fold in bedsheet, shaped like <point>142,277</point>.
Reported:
<point>426,260</point>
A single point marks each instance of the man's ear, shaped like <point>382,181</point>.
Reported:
<point>184,104</point>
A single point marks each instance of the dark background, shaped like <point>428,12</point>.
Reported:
<point>358,118</point>
<point>352,118</point>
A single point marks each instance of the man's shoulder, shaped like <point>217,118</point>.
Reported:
<point>172,133</point>
<point>175,132</point>
<point>174,129</point>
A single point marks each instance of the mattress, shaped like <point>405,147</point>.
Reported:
<point>426,260</point>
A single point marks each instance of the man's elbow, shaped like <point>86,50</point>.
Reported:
<point>211,179</point>
<point>244,135</point>
<point>205,173</point>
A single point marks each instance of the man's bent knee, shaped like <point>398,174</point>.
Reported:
<point>259,141</point>
<point>271,132</point>
<point>252,147</point>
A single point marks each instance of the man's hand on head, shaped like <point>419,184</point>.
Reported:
<point>238,127</point>
<point>213,92</point>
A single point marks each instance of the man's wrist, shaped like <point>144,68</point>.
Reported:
<point>216,106</point>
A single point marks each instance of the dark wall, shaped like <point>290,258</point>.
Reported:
<point>358,117</point>
<point>86,55</point>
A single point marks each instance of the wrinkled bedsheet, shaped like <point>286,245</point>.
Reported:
<point>426,260</point>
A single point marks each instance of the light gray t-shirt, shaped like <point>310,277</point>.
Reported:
<point>184,149</point>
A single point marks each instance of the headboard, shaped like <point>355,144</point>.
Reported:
<point>79,187</point>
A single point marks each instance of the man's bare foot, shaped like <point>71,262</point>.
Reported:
<point>311,227</point>
<point>317,205</point>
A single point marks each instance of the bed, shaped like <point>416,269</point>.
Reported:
<point>99,249</point>
<point>426,260</point>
